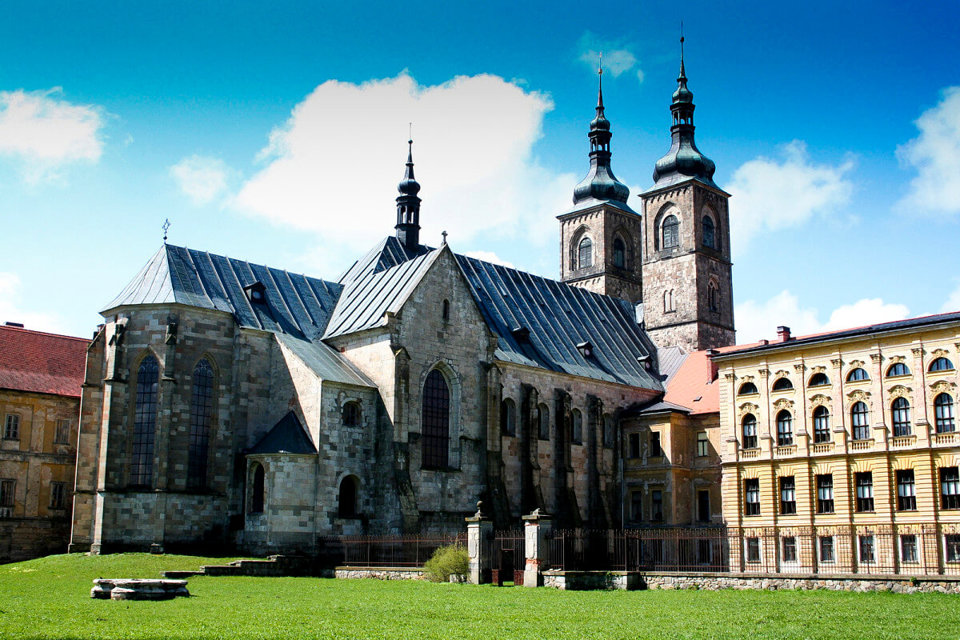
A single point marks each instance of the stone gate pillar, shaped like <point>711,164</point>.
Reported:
<point>537,530</point>
<point>479,546</point>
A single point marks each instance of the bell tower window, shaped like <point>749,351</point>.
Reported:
<point>585,254</point>
<point>670,232</point>
<point>709,233</point>
<point>619,254</point>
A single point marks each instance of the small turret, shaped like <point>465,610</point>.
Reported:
<point>408,206</point>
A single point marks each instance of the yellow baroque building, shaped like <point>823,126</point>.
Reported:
<point>841,451</point>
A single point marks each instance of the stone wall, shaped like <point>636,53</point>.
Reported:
<point>582,580</point>
<point>379,573</point>
<point>26,538</point>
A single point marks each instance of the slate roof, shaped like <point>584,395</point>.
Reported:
<point>295,304</point>
<point>326,362</point>
<point>386,254</point>
<point>558,318</point>
<point>41,362</point>
<point>366,299</point>
<point>287,436</point>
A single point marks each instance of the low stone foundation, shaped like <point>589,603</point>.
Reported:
<point>138,589</point>
<point>379,573</point>
<point>581,580</point>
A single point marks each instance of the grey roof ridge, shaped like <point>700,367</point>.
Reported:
<point>138,278</point>
<point>206,255</point>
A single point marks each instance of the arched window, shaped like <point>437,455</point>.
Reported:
<point>782,384</point>
<point>818,380</point>
<point>941,364</point>
<point>900,411</point>
<point>784,428</point>
<point>749,424</point>
<point>821,424</point>
<point>446,310</point>
<point>857,375</point>
<point>347,498</point>
<point>860,420</point>
<point>668,303</point>
<point>577,426</point>
<point>713,297</point>
<point>619,253</point>
<point>201,418</point>
<point>670,232</point>
<point>943,413</point>
<point>609,432</point>
<point>144,423</point>
<point>508,417</point>
<point>351,414</point>
<point>543,422</point>
<point>435,422</point>
<point>709,233</point>
<point>747,388</point>
<point>585,254</point>
<point>898,369</point>
<point>258,493</point>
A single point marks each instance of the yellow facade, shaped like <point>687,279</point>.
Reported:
<point>37,463</point>
<point>843,423</point>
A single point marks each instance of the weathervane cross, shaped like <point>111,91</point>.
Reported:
<point>166,225</point>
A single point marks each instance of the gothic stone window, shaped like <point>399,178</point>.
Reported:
<point>577,427</point>
<point>347,498</point>
<point>670,232</point>
<point>201,418</point>
<point>508,417</point>
<point>543,422</point>
<point>351,414</point>
<point>943,413</point>
<point>585,254</point>
<point>435,422</point>
<point>144,423</point>
<point>619,254</point>
<point>258,491</point>
<point>713,297</point>
<point>709,233</point>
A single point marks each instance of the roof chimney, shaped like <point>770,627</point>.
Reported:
<point>18,325</point>
<point>783,333</point>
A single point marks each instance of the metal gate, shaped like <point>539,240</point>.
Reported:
<point>508,557</point>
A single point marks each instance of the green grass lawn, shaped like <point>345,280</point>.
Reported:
<point>50,598</point>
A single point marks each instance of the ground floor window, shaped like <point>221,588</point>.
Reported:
<point>6,492</point>
<point>636,505</point>
<point>753,549</point>
<point>826,549</point>
<point>790,549</point>
<point>58,493</point>
<point>952,547</point>
<point>908,548</point>
<point>867,552</point>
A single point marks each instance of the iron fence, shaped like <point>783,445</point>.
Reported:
<point>386,551</point>
<point>509,557</point>
<point>673,549</point>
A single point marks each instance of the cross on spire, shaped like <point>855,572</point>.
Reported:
<point>165,226</point>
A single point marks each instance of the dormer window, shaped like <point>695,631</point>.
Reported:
<point>585,349</point>
<point>521,334</point>
<point>256,293</point>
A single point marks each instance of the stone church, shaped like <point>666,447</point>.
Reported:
<point>231,403</point>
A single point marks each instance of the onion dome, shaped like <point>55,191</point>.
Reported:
<point>600,183</point>
<point>684,160</point>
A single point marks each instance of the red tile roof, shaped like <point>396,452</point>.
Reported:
<point>41,362</point>
<point>693,385</point>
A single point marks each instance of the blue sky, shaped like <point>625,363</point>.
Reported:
<point>275,132</point>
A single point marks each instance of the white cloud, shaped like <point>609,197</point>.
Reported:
<point>617,57</point>
<point>46,133</point>
<point>935,154</point>
<point>201,178</point>
<point>489,256</point>
<point>334,165</point>
<point>757,320</point>
<point>953,301</point>
<point>10,310</point>
<point>772,194</point>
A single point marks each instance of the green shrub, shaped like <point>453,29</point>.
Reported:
<point>445,562</point>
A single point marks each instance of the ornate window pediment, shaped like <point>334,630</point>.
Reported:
<point>747,407</point>
<point>820,400</point>
<point>900,391</point>
<point>943,386</point>
<point>782,404</point>
<point>859,395</point>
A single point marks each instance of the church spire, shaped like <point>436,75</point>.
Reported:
<point>408,205</point>
<point>600,183</point>
<point>684,160</point>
